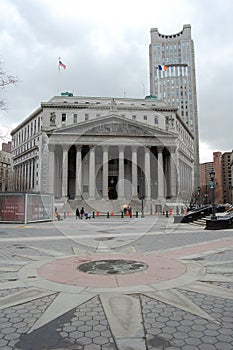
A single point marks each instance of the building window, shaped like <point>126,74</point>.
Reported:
<point>63,118</point>
<point>145,117</point>
<point>86,115</point>
<point>75,118</point>
<point>156,121</point>
<point>134,117</point>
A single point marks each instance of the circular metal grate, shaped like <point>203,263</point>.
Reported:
<point>112,267</point>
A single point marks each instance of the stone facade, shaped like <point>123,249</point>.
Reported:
<point>104,149</point>
<point>6,172</point>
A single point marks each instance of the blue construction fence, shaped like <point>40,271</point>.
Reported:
<point>25,207</point>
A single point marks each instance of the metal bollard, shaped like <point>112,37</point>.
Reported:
<point>107,214</point>
<point>122,214</point>
<point>166,213</point>
<point>93,214</point>
<point>136,214</point>
<point>64,215</point>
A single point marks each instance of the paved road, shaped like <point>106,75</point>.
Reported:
<point>115,283</point>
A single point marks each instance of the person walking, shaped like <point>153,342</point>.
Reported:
<point>77,214</point>
<point>82,212</point>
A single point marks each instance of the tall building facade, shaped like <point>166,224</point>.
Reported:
<point>173,78</point>
<point>217,158</point>
<point>205,192</point>
<point>226,177</point>
<point>97,148</point>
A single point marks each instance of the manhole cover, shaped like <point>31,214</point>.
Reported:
<point>112,267</point>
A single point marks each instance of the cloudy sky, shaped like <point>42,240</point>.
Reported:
<point>105,46</point>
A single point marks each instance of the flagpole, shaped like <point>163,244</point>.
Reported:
<point>58,77</point>
<point>158,81</point>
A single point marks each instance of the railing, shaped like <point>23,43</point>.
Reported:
<point>197,214</point>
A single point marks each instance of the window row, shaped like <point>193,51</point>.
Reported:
<point>28,131</point>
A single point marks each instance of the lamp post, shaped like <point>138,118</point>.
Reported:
<point>142,197</point>
<point>198,196</point>
<point>212,175</point>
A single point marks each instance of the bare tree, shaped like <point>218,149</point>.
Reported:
<point>6,80</point>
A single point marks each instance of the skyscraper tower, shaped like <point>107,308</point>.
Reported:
<point>173,79</point>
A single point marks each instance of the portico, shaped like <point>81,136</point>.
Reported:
<point>111,171</point>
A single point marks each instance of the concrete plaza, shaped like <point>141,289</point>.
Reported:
<point>115,283</point>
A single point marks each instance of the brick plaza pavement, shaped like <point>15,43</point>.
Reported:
<point>115,284</point>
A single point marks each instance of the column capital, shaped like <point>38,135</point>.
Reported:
<point>51,147</point>
<point>105,148</point>
<point>160,149</point>
<point>78,147</point>
<point>65,147</point>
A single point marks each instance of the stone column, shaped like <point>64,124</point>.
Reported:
<point>65,149</point>
<point>78,181</point>
<point>134,173</point>
<point>19,178</point>
<point>147,173</point>
<point>105,172</point>
<point>51,169</point>
<point>16,176</point>
<point>25,177</point>
<point>121,189</point>
<point>173,172</point>
<point>160,173</point>
<point>92,173</point>
<point>33,173</point>
<point>28,175</point>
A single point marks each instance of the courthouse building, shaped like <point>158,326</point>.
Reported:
<point>96,148</point>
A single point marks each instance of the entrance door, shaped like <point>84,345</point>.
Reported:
<point>112,181</point>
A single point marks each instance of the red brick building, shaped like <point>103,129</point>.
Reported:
<point>222,169</point>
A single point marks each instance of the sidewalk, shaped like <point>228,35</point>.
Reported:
<point>104,296</point>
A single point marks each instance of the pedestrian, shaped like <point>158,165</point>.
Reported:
<point>82,212</point>
<point>77,214</point>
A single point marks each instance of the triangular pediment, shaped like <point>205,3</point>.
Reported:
<point>112,125</point>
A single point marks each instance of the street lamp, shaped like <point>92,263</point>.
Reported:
<point>198,196</point>
<point>142,196</point>
<point>212,175</point>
